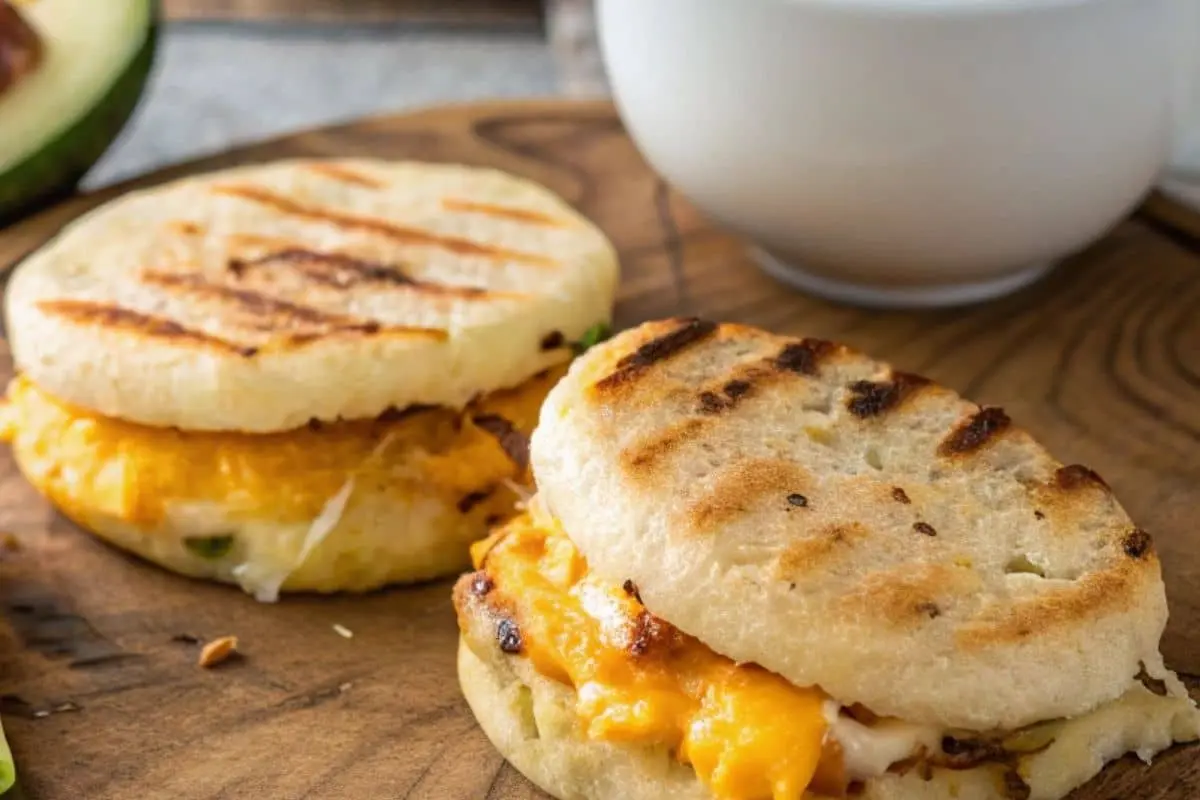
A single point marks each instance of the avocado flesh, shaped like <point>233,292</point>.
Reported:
<point>58,120</point>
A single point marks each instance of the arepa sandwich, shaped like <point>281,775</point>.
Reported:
<point>307,375</point>
<point>764,568</point>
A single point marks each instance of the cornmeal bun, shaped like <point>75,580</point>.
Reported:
<point>306,375</point>
<point>260,298</point>
<point>800,506</point>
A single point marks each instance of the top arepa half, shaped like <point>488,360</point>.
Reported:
<point>260,298</point>
<point>799,505</point>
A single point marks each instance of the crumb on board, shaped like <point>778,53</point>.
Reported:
<point>217,651</point>
<point>343,631</point>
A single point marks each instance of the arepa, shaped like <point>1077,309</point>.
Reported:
<point>802,506</point>
<point>771,568</point>
<point>306,375</point>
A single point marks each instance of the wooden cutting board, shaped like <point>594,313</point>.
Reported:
<point>103,698</point>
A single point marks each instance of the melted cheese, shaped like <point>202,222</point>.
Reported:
<point>748,733</point>
<point>135,473</point>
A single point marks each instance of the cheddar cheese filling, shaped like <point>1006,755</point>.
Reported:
<point>748,733</point>
<point>134,473</point>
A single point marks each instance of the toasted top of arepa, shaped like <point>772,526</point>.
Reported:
<point>262,297</point>
<point>800,505</point>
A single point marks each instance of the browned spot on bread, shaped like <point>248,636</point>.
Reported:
<point>514,443</point>
<point>1038,515</point>
<point>508,635</point>
<point>811,553</point>
<point>872,399</point>
<point>924,528</point>
<point>398,233</point>
<point>504,212</point>
<point>645,455</point>
<point>929,609</point>
<point>481,583</point>
<point>553,340</point>
<point>907,595</point>
<point>346,175</point>
<point>268,314</point>
<point>639,362</point>
<point>743,487</point>
<point>113,317</point>
<point>797,500</point>
<point>900,496</point>
<point>1077,476</point>
<point>976,432</point>
<point>1087,598</point>
<point>1137,543</point>
<point>341,271</point>
<point>804,357</point>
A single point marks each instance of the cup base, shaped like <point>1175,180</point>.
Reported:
<point>1185,192</point>
<point>941,295</point>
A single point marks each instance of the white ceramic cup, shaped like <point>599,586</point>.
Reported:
<point>1182,179</point>
<point>901,153</point>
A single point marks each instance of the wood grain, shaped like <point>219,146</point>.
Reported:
<point>1101,360</point>
<point>438,12</point>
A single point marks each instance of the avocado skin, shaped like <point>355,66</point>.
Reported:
<point>52,172</point>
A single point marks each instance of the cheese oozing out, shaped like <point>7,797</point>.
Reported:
<point>748,733</point>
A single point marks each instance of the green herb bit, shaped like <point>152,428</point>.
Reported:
<point>209,547</point>
<point>592,337</point>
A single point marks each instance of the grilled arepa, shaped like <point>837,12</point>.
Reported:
<point>310,375</point>
<point>925,556</point>
<point>260,298</point>
<point>762,568</point>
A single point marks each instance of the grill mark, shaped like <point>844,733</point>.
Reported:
<point>504,212</point>
<point>104,315</point>
<point>805,356</point>
<point>341,271</point>
<point>274,313</point>
<point>398,233</point>
<point>636,364</point>
<point>982,428</point>
<point>646,454</point>
<point>871,399</point>
<point>346,175</point>
<point>743,381</point>
<point>900,496</point>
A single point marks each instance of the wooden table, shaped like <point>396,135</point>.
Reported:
<point>103,697</point>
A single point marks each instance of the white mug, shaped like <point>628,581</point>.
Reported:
<point>1182,179</point>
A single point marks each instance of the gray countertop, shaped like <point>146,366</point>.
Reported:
<point>219,85</point>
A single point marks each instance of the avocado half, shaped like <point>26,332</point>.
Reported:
<point>56,121</point>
